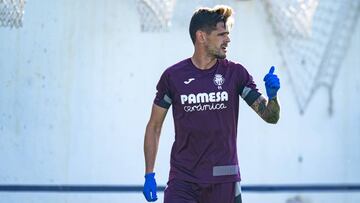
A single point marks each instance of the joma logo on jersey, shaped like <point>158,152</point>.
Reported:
<point>204,97</point>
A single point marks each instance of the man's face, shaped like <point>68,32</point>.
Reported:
<point>217,41</point>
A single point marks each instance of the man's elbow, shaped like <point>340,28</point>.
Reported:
<point>154,127</point>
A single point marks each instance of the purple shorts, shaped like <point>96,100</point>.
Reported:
<point>179,191</point>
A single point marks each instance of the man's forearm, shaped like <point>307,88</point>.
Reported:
<point>272,111</point>
<point>151,143</point>
<point>267,110</point>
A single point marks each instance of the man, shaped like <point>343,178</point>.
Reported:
<point>204,92</point>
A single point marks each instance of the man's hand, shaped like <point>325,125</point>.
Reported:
<point>149,190</point>
<point>269,110</point>
<point>272,83</point>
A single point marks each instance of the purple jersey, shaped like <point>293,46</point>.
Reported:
<point>205,110</point>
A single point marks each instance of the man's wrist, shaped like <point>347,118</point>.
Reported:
<point>149,170</point>
<point>273,98</point>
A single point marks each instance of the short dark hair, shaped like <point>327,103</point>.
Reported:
<point>205,19</point>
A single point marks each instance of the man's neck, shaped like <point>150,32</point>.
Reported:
<point>202,61</point>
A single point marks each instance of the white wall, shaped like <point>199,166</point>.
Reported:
<point>77,84</point>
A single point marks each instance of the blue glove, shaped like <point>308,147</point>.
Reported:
<point>272,83</point>
<point>149,190</point>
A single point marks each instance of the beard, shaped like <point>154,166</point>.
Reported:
<point>216,52</point>
<point>220,56</point>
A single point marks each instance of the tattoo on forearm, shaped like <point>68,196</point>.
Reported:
<point>267,110</point>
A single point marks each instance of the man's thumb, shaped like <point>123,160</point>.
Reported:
<point>272,69</point>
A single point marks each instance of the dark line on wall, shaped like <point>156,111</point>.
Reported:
<point>138,188</point>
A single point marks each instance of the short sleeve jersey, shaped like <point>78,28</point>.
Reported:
<point>205,105</point>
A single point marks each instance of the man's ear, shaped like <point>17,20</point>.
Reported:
<point>200,36</point>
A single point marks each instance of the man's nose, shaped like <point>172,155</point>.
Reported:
<point>227,39</point>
